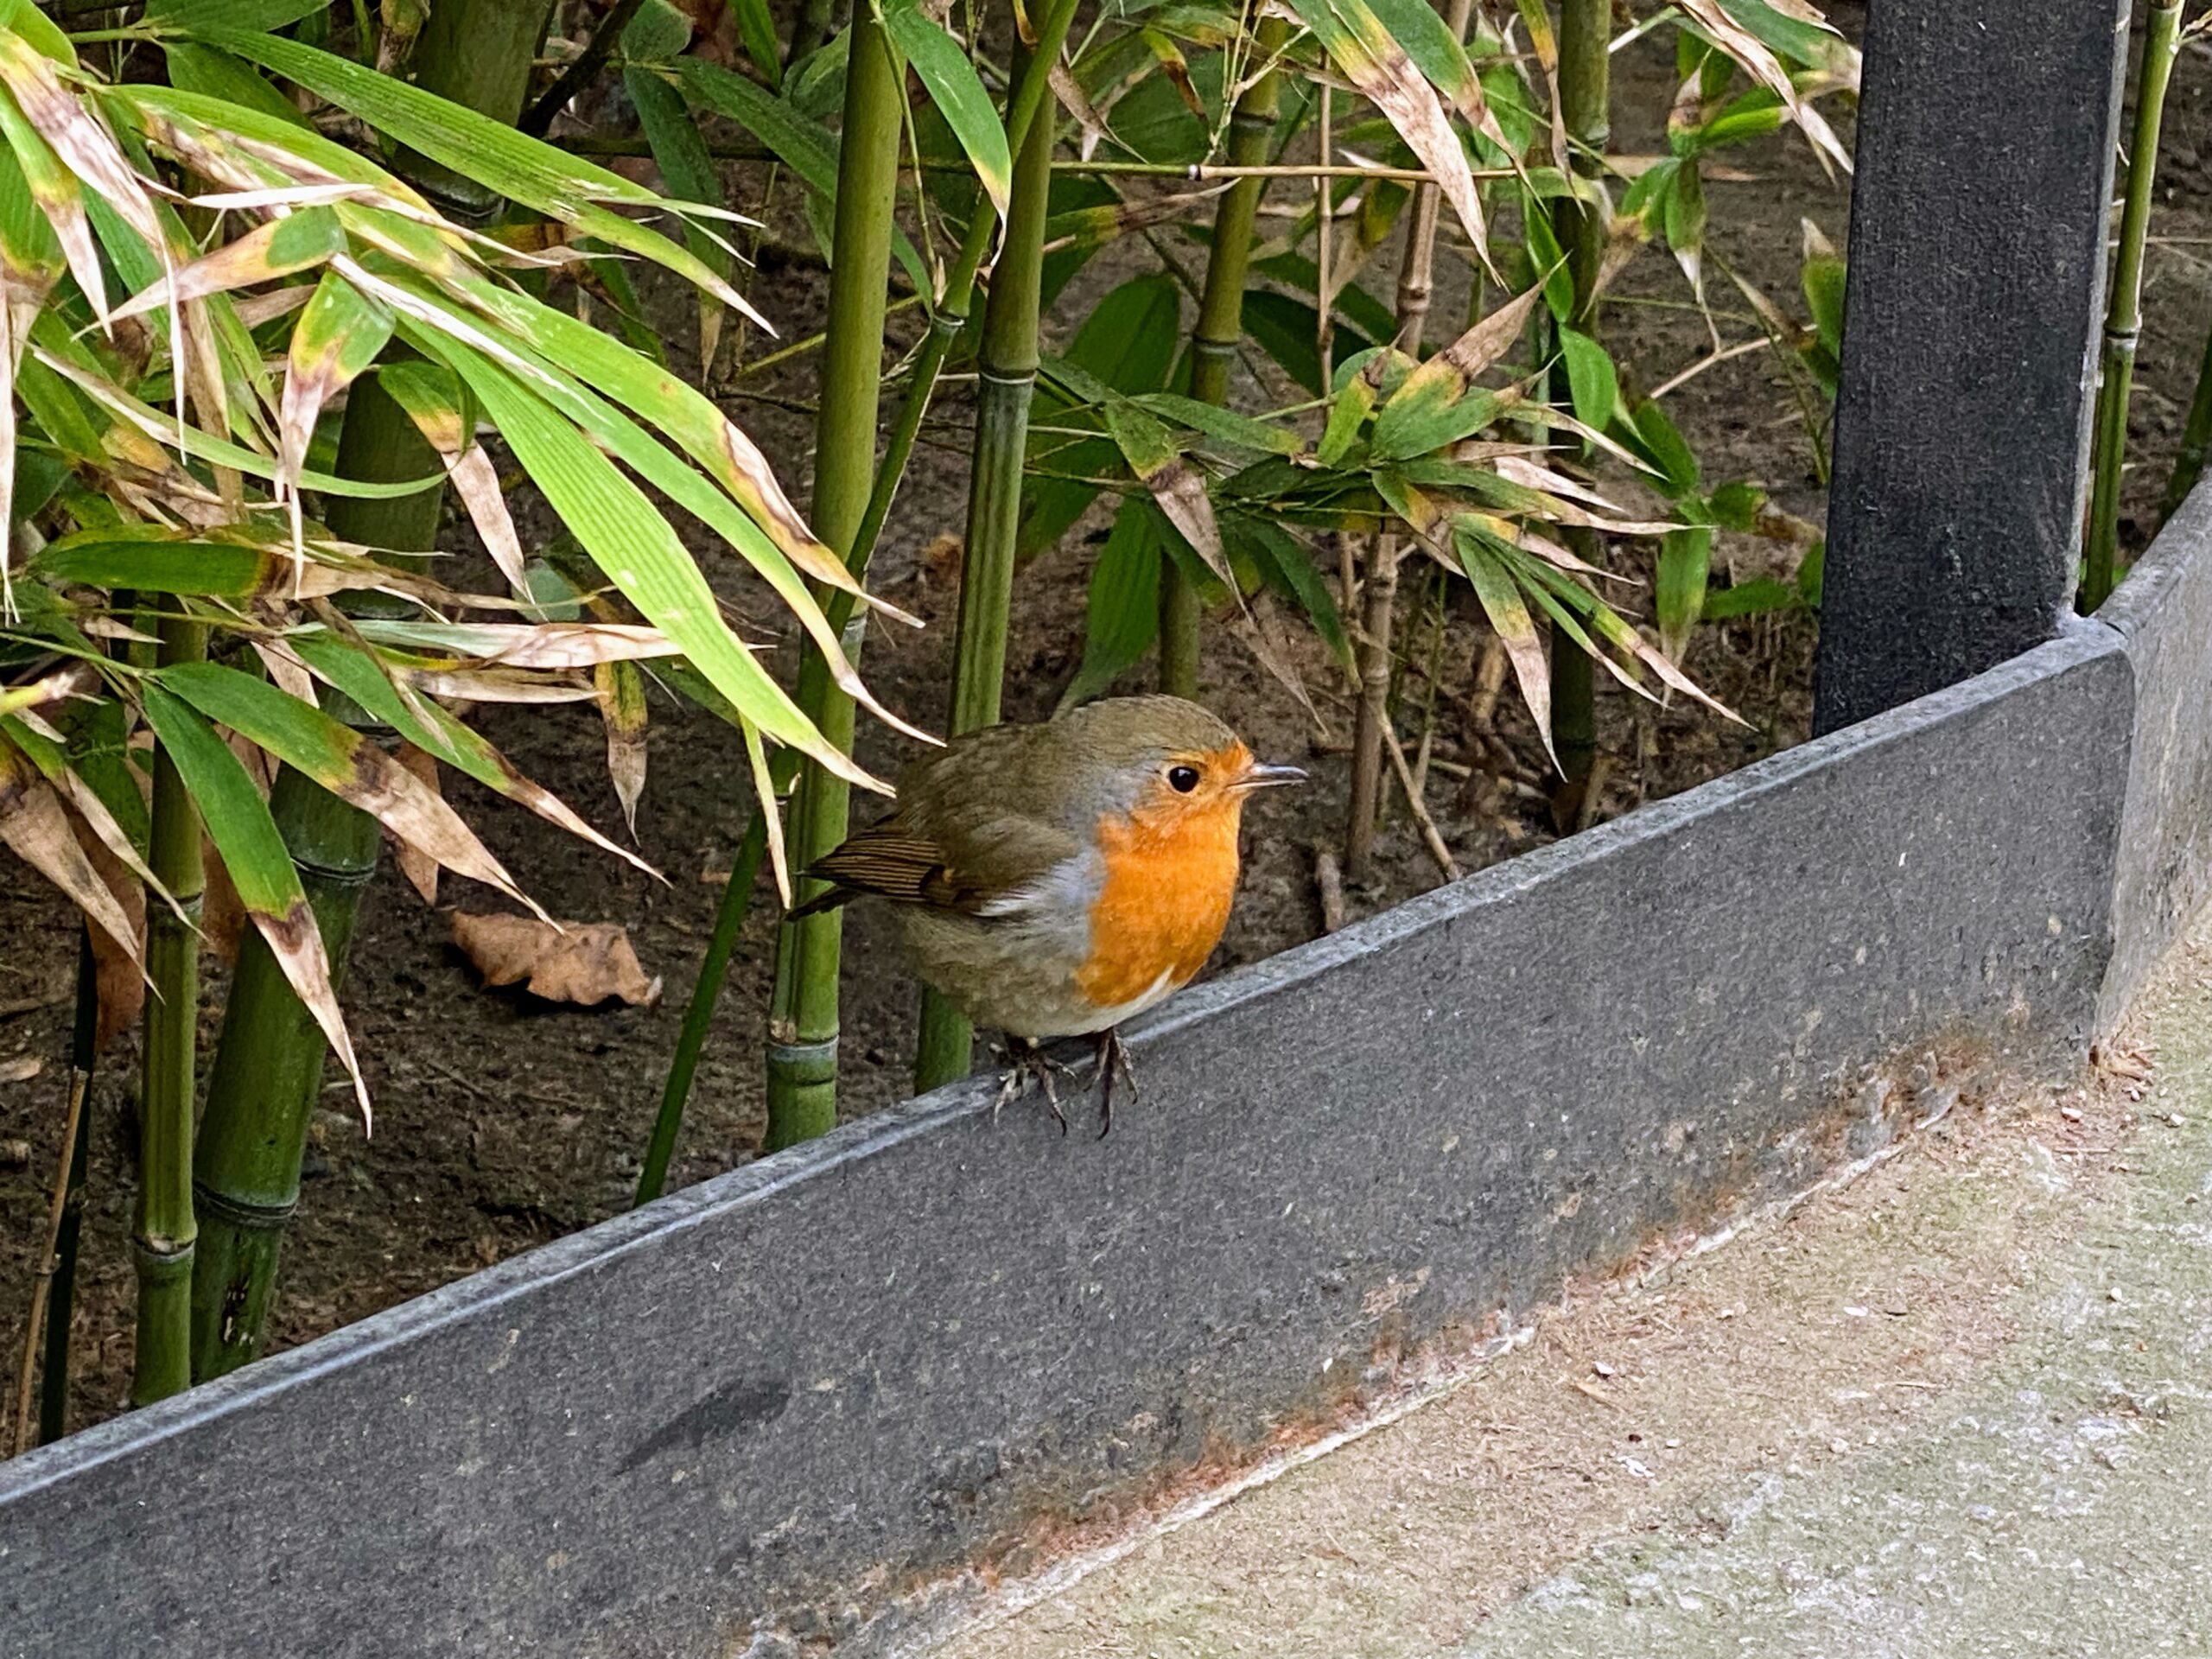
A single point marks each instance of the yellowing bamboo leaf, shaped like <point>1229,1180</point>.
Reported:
<point>1149,447</point>
<point>1760,62</point>
<point>1359,45</point>
<point>1517,630</point>
<point>298,242</point>
<point>1439,402</point>
<point>622,710</point>
<point>441,733</point>
<point>338,335</point>
<point>343,761</point>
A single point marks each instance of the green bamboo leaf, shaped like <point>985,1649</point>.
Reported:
<point>724,450</point>
<point>1685,563</point>
<point>1822,279</point>
<point>155,560</point>
<point>1156,458</point>
<point>1285,564</point>
<point>1439,402</point>
<point>680,153</point>
<point>637,550</point>
<point>521,168</point>
<point>1122,617</point>
<point>202,69</point>
<point>1592,380</point>
<point>257,15</point>
<point>657,31</point>
<point>1236,431</point>
<point>343,761</point>
<point>246,837</point>
<point>954,88</point>
<point>756,27</point>
<point>802,144</point>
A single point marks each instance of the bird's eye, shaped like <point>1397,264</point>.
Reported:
<point>1182,779</point>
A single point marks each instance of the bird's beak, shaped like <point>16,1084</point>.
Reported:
<point>1260,776</point>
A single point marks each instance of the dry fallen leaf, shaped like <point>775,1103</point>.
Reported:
<point>583,963</point>
<point>22,1069</point>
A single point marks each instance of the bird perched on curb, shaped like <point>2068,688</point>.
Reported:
<point>1055,879</point>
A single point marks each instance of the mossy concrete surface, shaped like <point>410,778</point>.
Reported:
<point>1961,1407</point>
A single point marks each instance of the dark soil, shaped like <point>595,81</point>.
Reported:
<point>503,1122</point>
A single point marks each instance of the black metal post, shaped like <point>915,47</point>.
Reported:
<point>1978,225</point>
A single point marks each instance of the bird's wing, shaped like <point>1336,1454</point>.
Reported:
<point>970,859</point>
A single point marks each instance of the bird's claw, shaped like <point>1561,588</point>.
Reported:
<point>1031,1064</point>
<point>1113,1061</point>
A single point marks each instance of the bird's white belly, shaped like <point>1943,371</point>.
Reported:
<point>1105,1019</point>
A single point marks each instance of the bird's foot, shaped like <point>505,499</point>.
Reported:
<point>1113,1062</point>
<point>1030,1064</point>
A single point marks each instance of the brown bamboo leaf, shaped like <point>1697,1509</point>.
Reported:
<point>418,866</point>
<point>36,829</point>
<point>117,979</point>
<point>84,145</point>
<point>583,963</point>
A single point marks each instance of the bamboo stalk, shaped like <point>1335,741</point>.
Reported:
<point>2195,439</point>
<point>802,1053</point>
<point>815,22</point>
<point>1006,363</point>
<point>166,1230</point>
<point>1584,95</point>
<point>1379,590</point>
<point>946,324</point>
<point>1220,328</point>
<point>266,1080</point>
<point>2124,310</point>
<point>54,1286</point>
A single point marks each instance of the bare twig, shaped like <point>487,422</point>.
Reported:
<point>1329,883</point>
<point>48,1261</point>
<point>1437,850</point>
<point>585,65</point>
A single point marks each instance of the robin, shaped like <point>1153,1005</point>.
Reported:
<point>1055,879</point>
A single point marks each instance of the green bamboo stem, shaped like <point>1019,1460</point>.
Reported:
<point>53,1287</point>
<point>699,1012</point>
<point>1378,589</point>
<point>802,1059</point>
<point>1585,95</point>
<point>269,1062</point>
<point>946,324</point>
<point>2195,439</point>
<point>1220,328</point>
<point>166,1230</point>
<point>2124,310</point>
<point>1006,363</point>
<point>478,53</point>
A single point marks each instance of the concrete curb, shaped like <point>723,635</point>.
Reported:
<point>788,1396</point>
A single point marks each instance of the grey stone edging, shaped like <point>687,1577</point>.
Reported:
<point>807,1388</point>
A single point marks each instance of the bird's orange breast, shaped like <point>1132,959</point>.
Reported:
<point>1163,905</point>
